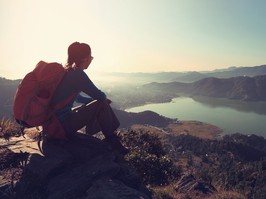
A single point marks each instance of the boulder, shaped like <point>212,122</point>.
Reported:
<point>83,168</point>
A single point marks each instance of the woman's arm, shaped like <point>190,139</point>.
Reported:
<point>87,86</point>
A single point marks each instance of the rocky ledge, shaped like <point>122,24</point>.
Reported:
<point>80,169</point>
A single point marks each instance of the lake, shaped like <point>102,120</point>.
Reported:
<point>230,115</point>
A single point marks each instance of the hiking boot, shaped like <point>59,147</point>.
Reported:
<point>116,145</point>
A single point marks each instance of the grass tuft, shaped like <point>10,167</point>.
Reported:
<point>8,128</point>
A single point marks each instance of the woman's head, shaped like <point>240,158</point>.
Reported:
<point>78,54</point>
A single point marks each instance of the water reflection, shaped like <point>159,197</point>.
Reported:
<point>231,115</point>
<point>243,106</point>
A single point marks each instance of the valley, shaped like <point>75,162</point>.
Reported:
<point>181,158</point>
<point>137,89</point>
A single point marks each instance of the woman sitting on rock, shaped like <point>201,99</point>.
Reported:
<point>95,113</point>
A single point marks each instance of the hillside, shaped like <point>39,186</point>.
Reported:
<point>240,88</point>
<point>186,77</point>
<point>231,167</point>
<point>224,73</point>
<point>243,88</point>
<point>161,165</point>
<point>127,90</point>
<point>145,118</point>
<point>240,71</point>
<point>7,90</point>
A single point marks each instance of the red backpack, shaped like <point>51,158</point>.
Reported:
<point>33,96</point>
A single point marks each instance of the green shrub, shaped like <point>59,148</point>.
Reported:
<point>148,157</point>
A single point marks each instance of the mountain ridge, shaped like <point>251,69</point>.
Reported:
<point>190,76</point>
<point>240,88</point>
<point>162,89</point>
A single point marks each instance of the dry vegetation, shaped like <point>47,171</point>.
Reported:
<point>8,129</point>
<point>195,128</point>
<point>231,163</point>
<point>168,192</point>
<point>181,161</point>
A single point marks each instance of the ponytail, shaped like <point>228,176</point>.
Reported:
<point>76,53</point>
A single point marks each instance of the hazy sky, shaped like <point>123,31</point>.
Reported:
<point>133,35</point>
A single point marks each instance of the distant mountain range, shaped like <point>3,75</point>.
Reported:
<point>224,73</point>
<point>243,83</point>
<point>193,76</point>
<point>241,87</point>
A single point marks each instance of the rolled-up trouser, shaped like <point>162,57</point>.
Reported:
<point>96,116</point>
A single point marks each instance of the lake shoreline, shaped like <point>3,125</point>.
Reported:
<point>229,115</point>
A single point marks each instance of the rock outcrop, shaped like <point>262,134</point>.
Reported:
<point>81,169</point>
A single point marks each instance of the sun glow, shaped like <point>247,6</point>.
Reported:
<point>132,36</point>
